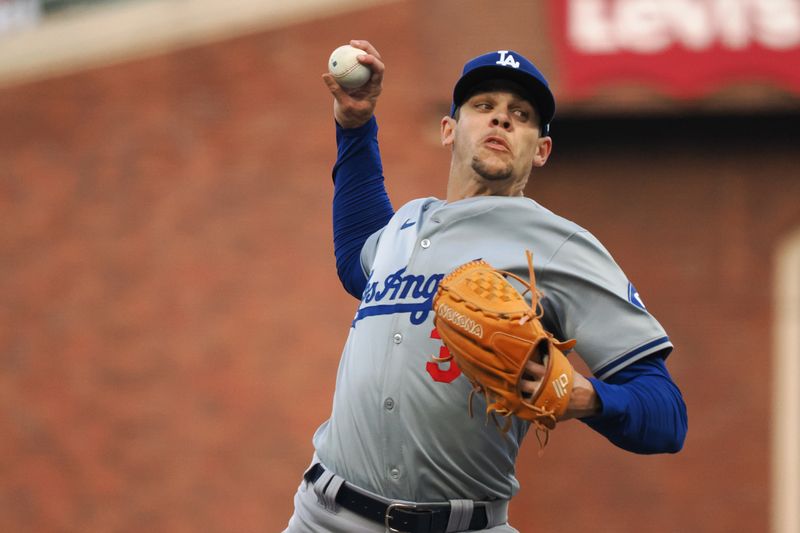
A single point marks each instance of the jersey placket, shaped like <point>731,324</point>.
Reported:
<point>405,340</point>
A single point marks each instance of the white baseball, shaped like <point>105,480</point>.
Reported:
<point>346,69</point>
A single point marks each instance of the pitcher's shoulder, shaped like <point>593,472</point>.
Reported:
<point>541,215</point>
<point>419,204</point>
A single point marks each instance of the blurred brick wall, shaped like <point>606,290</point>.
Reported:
<point>171,321</point>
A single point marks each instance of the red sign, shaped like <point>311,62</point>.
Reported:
<point>683,47</point>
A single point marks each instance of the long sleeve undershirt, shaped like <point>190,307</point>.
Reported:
<point>360,203</point>
<point>642,409</point>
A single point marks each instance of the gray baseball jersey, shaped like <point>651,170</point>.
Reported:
<point>399,425</point>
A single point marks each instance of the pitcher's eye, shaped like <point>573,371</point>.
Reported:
<point>521,114</point>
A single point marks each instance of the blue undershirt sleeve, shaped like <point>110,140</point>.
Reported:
<point>361,205</point>
<point>642,408</point>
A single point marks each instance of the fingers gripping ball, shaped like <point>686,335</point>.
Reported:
<point>492,333</point>
<point>345,68</point>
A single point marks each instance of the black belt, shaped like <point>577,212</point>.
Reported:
<point>407,518</point>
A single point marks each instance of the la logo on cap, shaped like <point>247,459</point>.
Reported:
<point>507,60</point>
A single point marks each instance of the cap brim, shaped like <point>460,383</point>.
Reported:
<point>536,91</point>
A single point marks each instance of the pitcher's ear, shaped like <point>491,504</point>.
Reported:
<point>543,148</point>
<point>448,130</point>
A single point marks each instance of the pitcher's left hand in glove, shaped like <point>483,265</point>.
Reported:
<point>492,334</point>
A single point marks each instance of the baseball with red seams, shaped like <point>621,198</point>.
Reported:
<point>346,69</point>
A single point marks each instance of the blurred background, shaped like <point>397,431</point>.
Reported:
<point>170,316</point>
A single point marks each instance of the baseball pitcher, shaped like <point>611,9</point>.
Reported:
<point>469,310</point>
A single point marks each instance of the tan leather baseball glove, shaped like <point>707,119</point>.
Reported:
<point>491,332</point>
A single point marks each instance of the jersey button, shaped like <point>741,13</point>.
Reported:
<point>397,338</point>
<point>388,403</point>
<point>425,243</point>
<point>394,473</point>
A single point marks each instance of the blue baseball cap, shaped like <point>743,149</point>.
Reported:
<point>508,65</point>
